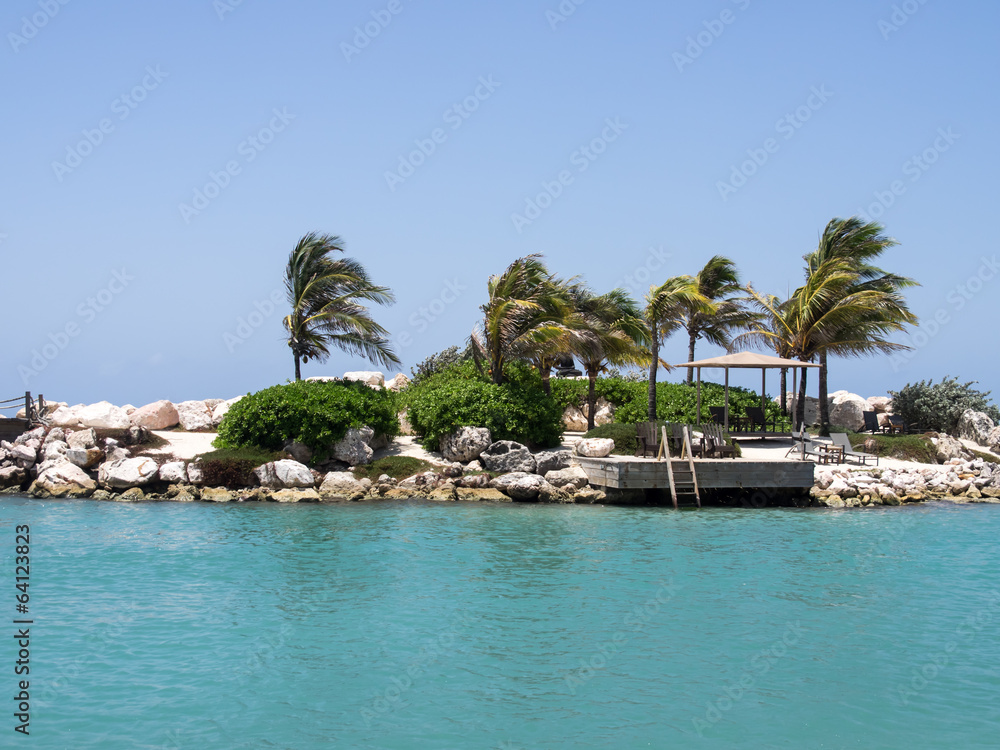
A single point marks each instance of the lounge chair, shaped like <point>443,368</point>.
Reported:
<point>718,414</point>
<point>897,424</point>
<point>805,445</point>
<point>713,443</point>
<point>756,417</point>
<point>647,439</point>
<point>871,422</point>
<point>840,438</point>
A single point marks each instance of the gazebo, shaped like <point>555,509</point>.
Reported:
<point>745,361</point>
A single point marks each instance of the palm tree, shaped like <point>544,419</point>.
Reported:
<point>771,329</point>
<point>858,243</point>
<point>718,281</point>
<point>523,318</point>
<point>663,315</point>
<point>327,295</point>
<point>611,330</point>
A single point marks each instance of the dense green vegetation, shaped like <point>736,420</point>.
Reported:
<point>312,413</point>
<point>233,467</point>
<point>904,447</point>
<point>462,396</point>
<point>397,467</point>
<point>939,406</point>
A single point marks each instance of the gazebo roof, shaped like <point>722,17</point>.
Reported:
<point>748,360</point>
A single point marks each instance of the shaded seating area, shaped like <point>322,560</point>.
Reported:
<point>807,448</point>
<point>648,438</point>
<point>871,422</point>
<point>713,443</point>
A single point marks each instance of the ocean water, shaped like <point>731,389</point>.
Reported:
<point>415,625</point>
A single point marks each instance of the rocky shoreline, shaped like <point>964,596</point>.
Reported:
<point>73,457</point>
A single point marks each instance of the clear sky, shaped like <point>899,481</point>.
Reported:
<point>160,160</point>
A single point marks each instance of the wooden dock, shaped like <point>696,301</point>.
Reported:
<point>626,473</point>
<point>13,427</point>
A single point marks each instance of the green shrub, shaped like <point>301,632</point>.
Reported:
<point>313,413</point>
<point>397,467</point>
<point>904,447</point>
<point>677,402</point>
<point>441,361</point>
<point>461,396</point>
<point>940,407</point>
<point>618,391</point>
<point>624,436</point>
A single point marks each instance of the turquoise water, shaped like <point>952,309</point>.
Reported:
<point>411,625</point>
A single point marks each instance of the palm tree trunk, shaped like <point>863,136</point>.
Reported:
<point>591,397</point>
<point>546,373</point>
<point>784,391</point>
<point>298,368</point>
<point>824,407</point>
<point>654,350</point>
<point>692,338</point>
<point>800,402</point>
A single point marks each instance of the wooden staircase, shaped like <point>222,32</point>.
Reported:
<point>684,480</point>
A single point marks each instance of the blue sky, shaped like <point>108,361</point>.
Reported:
<point>161,160</point>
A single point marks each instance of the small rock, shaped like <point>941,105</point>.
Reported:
<point>595,447</point>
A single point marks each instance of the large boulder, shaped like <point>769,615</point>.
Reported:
<point>993,440</point>
<point>546,461</point>
<point>465,444</point>
<point>62,479</point>
<point>85,458</point>
<point>847,410</point>
<point>811,407</point>
<point>82,439</point>
<point>12,476</point>
<point>527,487</point>
<point>194,416</point>
<point>284,474</point>
<point>103,415</point>
<point>66,416</point>
<point>975,426</point>
<point>398,383</point>
<point>506,456</point>
<point>880,404</point>
<point>595,447</point>
<point>948,448</point>
<point>574,420</point>
<point>159,415</point>
<point>174,472</point>
<point>354,449</point>
<point>220,410</point>
<point>341,486</point>
<point>128,472</point>
<point>573,476</point>
<point>504,481</point>
<point>373,379</point>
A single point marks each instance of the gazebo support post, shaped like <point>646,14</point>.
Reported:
<point>698,413</point>
<point>726,414</point>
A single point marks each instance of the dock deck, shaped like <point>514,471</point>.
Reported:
<point>627,473</point>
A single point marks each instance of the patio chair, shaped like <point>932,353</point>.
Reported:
<point>647,439</point>
<point>871,422</point>
<point>840,438</point>
<point>713,443</point>
<point>757,417</point>
<point>804,444</point>
<point>897,424</point>
<point>718,414</point>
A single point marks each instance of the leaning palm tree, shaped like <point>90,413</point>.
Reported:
<point>858,243</point>
<point>611,331</point>
<point>523,317</point>
<point>327,296</point>
<point>718,282</point>
<point>663,315</point>
<point>772,328</point>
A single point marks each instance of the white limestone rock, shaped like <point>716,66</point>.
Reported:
<point>220,410</point>
<point>174,472</point>
<point>976,426</point>
<point>63,479</point>
<point>574,420</point>
<point>880,404</point>
<point>546,461</point>
<point>128,472</point>
<point>373,379</point>
<point>194,416</point>
<point>573,476</point>
<point>85,458</point>
<point>527,487</point>
<point>284,474</point>
<point>507,456</point>
<point>398,383</point>
<point>159,415</point>
<point>341,486</point>
<point>595,447</point>
<point>847,410</point>
<point>354,449</point>
<point>82,439</point>
<point>465,444</point>
<point>948,448</point>
<point>103,415</point>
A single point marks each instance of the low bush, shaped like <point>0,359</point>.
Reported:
<point>460,396</point>
<point>940,406</point>
<point>397,467</point>
<point>904,447</point>
<point>313,413</point>
<point>618,391</point>
<point>677,402</point>
<point>233,467</point>
<point>624,436</point>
